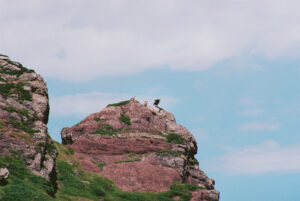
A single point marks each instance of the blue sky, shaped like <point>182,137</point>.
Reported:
<point>228,70</point>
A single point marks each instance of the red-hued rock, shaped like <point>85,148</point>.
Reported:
<point>137,155</point>
<point>143,176</point>
<point>118,146</point>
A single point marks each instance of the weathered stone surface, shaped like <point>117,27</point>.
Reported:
<point>147,154</point>
<point>205,195</point>
<point>4,173</point>
<point>24,111</point>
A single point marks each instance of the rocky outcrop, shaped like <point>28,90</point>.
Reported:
<point>24,111</point>
<point>140,148</point>
<point>3,174</point>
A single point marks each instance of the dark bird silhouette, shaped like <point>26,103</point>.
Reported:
<point>156,102</point>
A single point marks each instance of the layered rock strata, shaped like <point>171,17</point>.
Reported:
<point>24,111</point>
<point>140,148</point>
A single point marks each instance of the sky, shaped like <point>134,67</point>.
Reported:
<point>229,71</point>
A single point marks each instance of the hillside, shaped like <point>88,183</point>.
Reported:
<point>126,152</point>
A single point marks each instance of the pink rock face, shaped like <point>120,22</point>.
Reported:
<point>141,176</point>
<point>137,156</point>
<point>118,146</point>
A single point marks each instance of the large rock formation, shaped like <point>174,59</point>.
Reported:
<point>24,111</point>
<point>140,148</point>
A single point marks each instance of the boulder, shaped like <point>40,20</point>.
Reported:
<point>3,174</point>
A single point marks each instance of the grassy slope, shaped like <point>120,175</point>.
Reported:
<point>74,184</point>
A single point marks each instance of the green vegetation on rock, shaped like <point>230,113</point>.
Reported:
<point>106,129</point>
<point>193,161</point>
<point>125,119</point>
<point>175,138</point>
<point>76,184</point>
<point>21,184</point>
<point>100,165</point>
<point>9,88</point>
<point>17,73</point>
<point>23,126</point>
<point>97,119</point>
<point>166,152</point>
<point>118,104</point>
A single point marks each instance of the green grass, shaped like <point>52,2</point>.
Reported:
<point>2,125</point>
<point>5,89</point>
<point>17,73</point>
<point>97,119</point>
<point>74,184</point>
<point>9,88</point>
<point>134,159</point>
<point>175,138</point>
<point>70,150</point>
<point>23,126</point>
<point>193,161</point>
<point>125,119</point>
<point>72,187</point>
<point>106,129</point>
<point>160,134</point>
<point>119,104</point>
<point>167,152</point>
<point>22,112</point>
<point>22,184</point>
<point>100,165</point>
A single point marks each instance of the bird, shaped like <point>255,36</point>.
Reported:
<point>156,102</point>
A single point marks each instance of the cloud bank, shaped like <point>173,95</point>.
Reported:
<point>260,126</point>
<point>268,157</point>
<point>82,40</point>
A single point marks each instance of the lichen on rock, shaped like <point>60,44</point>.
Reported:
<point>24,111</point>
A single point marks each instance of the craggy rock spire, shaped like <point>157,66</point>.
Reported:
<point>24,111</point>
<point>140,148</point>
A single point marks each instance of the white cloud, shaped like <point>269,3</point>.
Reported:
<point>200,134</point>
<point>251,112</point>
<point>81,40</point>
<point>85,104</point>
<point>259,126</point>
<point>268,157</point>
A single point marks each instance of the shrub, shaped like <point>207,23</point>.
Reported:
<point>118,104</point>
<point>125,119</point>
<point>106,129</point>
<point>175,139</point>
<point>70,150</point>
<point>135,159</point>
<point>8,89</point>
<point>23,126</point>
<point>167,152</point>
<point>100,165</point>
<point>97,119</point>
<point>193,161</point>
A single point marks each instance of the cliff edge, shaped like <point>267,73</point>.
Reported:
<point>24,111</point>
